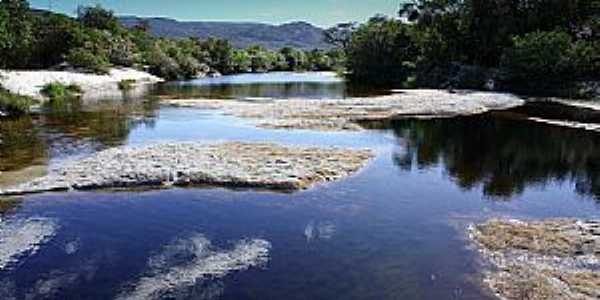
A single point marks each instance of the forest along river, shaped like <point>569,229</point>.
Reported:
<point>395,230</point>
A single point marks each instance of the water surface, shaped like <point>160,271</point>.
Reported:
<point>396,230</point>
<point>275,85</point>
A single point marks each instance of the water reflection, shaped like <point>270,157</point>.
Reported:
<point>20,144</point>
<point>504,155</point>
<point>29,143</point>
<point>107,123</point>
<point>279,85</point>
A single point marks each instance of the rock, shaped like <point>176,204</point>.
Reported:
<point>551,259</point>
<point>345,114</point>
<point>30,83</point>
<point>265,166</point>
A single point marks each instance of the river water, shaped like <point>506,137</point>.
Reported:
<point>395,230</point>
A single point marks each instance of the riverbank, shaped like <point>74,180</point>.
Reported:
<point>345,114</point>
<point>550,259</point>
<point>31,83</point>
<point>263,166</point>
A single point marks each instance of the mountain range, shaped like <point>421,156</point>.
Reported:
<point>299,35</point>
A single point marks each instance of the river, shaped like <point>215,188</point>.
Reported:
<point>395,230</point>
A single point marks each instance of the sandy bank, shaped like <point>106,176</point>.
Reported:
<point>30,83</point>
<point>343,114</point>
<point>265,166</point>
<point>551,259</point>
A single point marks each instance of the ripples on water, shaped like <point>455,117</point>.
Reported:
<point>393,231</point>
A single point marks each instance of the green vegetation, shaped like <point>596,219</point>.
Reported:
<point>126,84</point>
<point>95,41</point>
<point>59,92</point>
<point>516,44</point>
<point>549,58</point>
<point>14,104</point>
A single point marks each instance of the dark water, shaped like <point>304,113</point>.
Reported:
<point>396,230</point>
<point>269,85</point>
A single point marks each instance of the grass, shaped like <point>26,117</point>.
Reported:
<point>126,84</point>
<point>58,91</point>
<point>14,104</point>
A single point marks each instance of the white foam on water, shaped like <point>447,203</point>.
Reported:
<point>21,238</point>
<point>186,262</point>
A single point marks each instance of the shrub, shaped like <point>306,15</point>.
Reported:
<point>83,58</point>
<point>162,65</point>
<point>126,84</point>
<point>14,104</point>
<point>189,66</point>
<point>58,91</point>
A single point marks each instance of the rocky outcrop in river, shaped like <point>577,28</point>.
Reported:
<point>551,259</point>
<point>30,83</point>
<point>265,166</point>
<point>344,114</point>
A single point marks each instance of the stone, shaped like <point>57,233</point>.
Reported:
<point>345,114</point>
<point>253,165</point>
<point>549,259</point>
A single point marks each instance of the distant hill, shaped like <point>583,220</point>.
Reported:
<point>297,34</point>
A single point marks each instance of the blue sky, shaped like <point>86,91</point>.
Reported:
<point>319,12</point>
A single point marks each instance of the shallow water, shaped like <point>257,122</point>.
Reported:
<point>396,230</point>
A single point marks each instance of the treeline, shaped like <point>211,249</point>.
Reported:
<point>518,45</point>
<point>96,41</point>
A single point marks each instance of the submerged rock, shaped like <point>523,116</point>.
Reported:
<point>343,114</point>
<point>551,259</point>
<point>265,166</point>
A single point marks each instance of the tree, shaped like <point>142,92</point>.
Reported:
<point>220,53</point>
<point>242,62</point>
<point>18,30</point>
<point>53,37</point>
<point>4,34</point>
<point>261,59</point>
<point>380,51</point>
<point>318,60</point>
<point>98,18</point>
<point>296,60</point>
<point>340,35</point>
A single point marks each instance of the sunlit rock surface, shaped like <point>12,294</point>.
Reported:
<point>552,259</point>
<point>254,165</point>
<point>343,114</point>
<point>30,83</point>
<point>186,263</point>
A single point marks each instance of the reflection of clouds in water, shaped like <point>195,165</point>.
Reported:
<point>178,271</point>
<point>52,284</point>
<point>320,230</point>
<point>20,238</point>
<point>72,246</point>
<point>309,231</point>
<point>8,289</point>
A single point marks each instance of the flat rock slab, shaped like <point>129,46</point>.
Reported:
<point>343,114</point>
<point>550,259</point>
<point>255,165</point>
